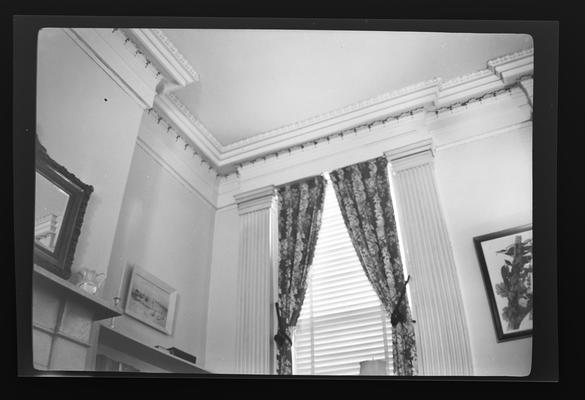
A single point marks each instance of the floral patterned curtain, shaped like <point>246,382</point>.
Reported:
<point>363,194</point>
<point>299,220</point>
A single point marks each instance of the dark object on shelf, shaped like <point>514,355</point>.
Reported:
<point>60,203</point>
<point>152,358</point>
<point>180,353</point>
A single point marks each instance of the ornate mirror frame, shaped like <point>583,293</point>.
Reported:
<point>60,260</point>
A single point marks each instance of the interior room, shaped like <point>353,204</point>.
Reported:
<point>305,202</point>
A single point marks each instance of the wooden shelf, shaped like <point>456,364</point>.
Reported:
<point>149,354</point>
<point>101,308</point>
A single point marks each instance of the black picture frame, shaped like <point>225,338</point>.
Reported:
<point>59,260</point>
<point>508,270</point>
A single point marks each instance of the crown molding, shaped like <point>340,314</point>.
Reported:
<point>403,136</point>
<point>511,67</point>
<point>140,59</point>
<point>200,127</point>
<point>432,95</point>
<point>179,118</point>
<point>466,87</point>
<point>178,56</point>
<point>176,70</point>
<point>173,155</point>
<point>359,114</point>
<point>401,96</point>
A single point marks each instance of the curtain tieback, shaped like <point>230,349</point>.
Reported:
<point>281,336</point>
<point>399,313</point>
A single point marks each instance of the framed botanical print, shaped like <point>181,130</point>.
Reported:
<point>505,259</point>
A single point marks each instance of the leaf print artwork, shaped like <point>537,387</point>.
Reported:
<point>516,285</point>
<point>506,263</point>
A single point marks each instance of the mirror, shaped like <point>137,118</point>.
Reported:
<point>50,205</point>
<point>60,203</point>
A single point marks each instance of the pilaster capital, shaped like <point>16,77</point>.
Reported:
<point>411,155</point>
<point>255,200</point>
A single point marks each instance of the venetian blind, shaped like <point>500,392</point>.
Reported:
<point>342,321</point>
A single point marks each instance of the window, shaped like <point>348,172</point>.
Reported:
<point>342,321</point>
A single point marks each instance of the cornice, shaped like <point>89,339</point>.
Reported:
<point>506,59</point>
<point>157,55</point>
<point>511,67</point>
<point>176,53</point>
<point>139,59</point>
<point>176,154</point>
<point>458,81</point>
<point>162,114</point>
<point>419,114</point>
<point>176,70</point>
<point>354,117</point>
<point>188,126</point>
<point>137,53</point>
<point>467,86</point>
<point>288,129</point>
<point>200,127</point>
<point>433,95</point>
<point>475,101</point>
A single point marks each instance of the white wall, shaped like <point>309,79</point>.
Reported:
<point>223,290</point>
<point>89,125</point>
<point>486,186</point>
<point>166,228</point>
<point>143,211</point>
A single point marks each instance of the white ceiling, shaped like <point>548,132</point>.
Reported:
<point>254,81</point>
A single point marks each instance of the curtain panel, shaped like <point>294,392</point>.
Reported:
<point>363,194</point>
<point>299,220</point>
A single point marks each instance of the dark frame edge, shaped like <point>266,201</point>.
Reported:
<point>478,240</point>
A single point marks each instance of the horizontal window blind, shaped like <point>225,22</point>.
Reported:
<point>342,321</point>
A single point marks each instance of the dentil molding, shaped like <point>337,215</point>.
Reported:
<point>433,94</point>
<point>148,66</point>
<point>177,71</point>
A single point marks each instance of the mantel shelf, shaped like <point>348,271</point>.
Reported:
<point>119,340</point>
<point>101,308</point>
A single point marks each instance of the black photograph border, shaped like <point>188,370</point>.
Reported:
<point>545,33</point>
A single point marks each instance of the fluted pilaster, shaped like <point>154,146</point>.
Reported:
<point>258,255</point>
<point>440,328</point>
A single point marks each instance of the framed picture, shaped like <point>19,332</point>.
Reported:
<point>505,259</point>
<point>60,203</point>
<point>151,301</point>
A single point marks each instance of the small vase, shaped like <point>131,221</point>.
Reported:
<point>88,286</point>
